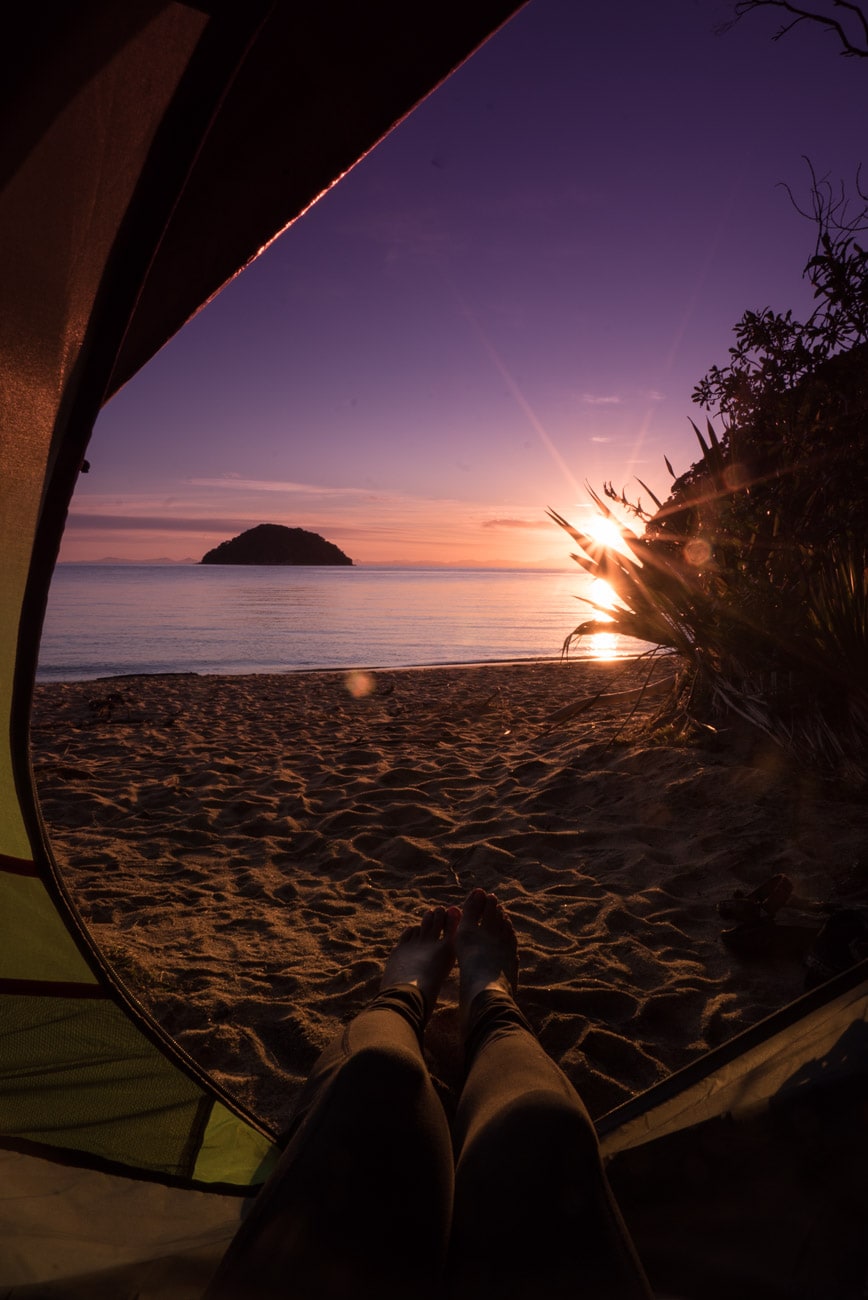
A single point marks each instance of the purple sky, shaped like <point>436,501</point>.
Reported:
<point>514,293</point>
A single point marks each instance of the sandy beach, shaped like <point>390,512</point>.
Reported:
<point>246,849</point>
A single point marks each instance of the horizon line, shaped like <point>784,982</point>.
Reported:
<point>157,562</point>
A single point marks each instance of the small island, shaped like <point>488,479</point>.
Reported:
<point>276,544</point>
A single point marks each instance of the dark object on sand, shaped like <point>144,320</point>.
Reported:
<point>840,944</point>
<point>827,947</point>
<point>767,938</point>
<point>276,544</point>
<point>756,933</point>
<point>767,899</point>
<point>103,706</point>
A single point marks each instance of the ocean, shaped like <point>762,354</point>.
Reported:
<point>106,620</point>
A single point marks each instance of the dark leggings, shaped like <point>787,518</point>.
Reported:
<point>372,1197</point>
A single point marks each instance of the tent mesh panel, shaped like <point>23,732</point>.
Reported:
<point>79,1074</point>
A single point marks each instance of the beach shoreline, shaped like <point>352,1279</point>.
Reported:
<point>292,671</point>
<point>245,850</point>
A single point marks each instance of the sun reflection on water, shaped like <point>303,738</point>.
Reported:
<point>603,595</point>
<point>604,645</point>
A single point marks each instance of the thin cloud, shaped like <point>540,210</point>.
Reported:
<point>157,523</point>
<point>512,523</point>
<point>609,399</point>
<point>275,485</point>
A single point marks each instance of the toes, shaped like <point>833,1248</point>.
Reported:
<point>433,923</point>
<point>480,909</point>
<point>474,907</point>
<point>492,915</point>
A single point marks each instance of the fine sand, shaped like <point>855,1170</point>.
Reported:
<point>245,851</point>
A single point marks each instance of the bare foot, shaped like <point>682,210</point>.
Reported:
<point>424,955</point>
<point>487,949</point>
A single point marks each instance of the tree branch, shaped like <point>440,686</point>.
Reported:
<point>849,47</point>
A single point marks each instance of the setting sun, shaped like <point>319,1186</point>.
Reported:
<point>604,530</point>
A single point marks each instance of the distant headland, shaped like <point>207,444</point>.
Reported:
<point>276,544</point>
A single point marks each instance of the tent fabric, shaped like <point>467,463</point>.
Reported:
<point>147,152</point>
<point>81,1232</point>
<point>746,1174</point>
<point>84,1077</point>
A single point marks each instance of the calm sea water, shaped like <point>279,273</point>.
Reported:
<point>104,620</point>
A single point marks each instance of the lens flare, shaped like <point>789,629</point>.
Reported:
<point>697,552</point>
<point>360,684</point>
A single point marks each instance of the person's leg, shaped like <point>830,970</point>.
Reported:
<point>533,1212</point>
<point>360,1203</point>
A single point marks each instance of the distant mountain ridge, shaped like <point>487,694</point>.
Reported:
<point>276,544</point>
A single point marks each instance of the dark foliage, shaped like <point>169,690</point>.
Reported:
<point>755,570</point>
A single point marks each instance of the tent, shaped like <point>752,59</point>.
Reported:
<point>746,1173</point>
<point>148,151</point>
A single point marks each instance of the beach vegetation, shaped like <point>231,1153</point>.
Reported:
<point>754,571</point>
